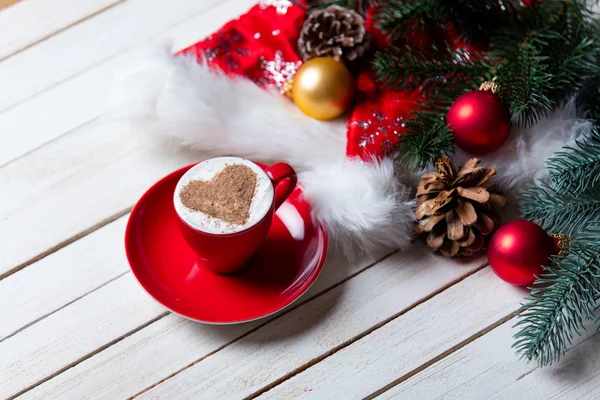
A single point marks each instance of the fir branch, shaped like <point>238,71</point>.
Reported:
<point>563,298</point>
<point>435,70</point>
<point>473,19</point>
<point>576,169</point>
<point>426,139</point>
<point>560,212</point>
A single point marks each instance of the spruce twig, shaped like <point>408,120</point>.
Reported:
<point>560,212</point>
<point>563,298</point>
<point>576,169</point>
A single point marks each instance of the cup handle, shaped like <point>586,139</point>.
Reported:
<point>284,180</point>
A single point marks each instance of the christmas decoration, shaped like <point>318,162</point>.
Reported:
<point>540,52</point>
<point>524,154</point>
<point>334,32</point>
<point>565,296</point>
<point>457,209</point>
<point>479,121</point>
<point>323,88</point>
<point>518,251</point>
<point>225,95</point>
<point>219,106</point>
<point>401,101</point>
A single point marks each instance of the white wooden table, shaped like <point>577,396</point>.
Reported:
<point>73,322</point>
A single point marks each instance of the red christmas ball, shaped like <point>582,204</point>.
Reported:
<point>518,250</point>
<point>479,121</point>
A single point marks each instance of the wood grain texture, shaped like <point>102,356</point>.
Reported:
<point>155,352</point>
<point>56,342</point>
<point>313,331</point>
<point>72,90</point>
<point>405,343</point>
<point>476,371</point>
<point>479,370</point>
<point>59,191</point>
<point>576,377</point>
<point>29,22</point>
<point>61,278</point>
<point>71,173</point>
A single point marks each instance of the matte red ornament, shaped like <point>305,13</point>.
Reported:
<point>479,121</point>
<point>518,250</point>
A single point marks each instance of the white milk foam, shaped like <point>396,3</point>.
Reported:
<point>206,170</point>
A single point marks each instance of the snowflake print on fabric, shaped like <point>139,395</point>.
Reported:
<point>281,6</point>
<point>226,47</point>
<point>380,130</point>
<point>277,71</point>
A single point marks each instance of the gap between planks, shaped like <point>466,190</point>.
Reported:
<point>67,242</point>
<point>103,222</point>
<point>92,66</point>
<point>286,311</point>
<point>443,355</point>
<point>85,357</point>
<point>61,307</point>
<point>332,351</point>
<point>153,320</point>
<point>64,28</point>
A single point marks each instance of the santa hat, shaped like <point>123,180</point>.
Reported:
<point>224,95</point>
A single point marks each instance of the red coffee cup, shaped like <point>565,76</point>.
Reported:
<point>225,252</point>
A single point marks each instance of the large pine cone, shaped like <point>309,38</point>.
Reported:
<point>457,209</point>
<point>334,32</point>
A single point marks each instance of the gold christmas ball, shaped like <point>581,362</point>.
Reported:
<point>323,88</point>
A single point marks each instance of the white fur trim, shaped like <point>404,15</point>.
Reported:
<point>362,205</point>
<point>203,109</point>
<point>521,160</point>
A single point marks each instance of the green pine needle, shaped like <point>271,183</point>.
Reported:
<point>576,169</point>
<point>563,298</point>
<point>425,140</point>
<point>560,212</point>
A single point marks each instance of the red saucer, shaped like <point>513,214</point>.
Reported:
<point>281,271</point>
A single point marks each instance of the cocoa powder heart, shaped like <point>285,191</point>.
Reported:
<point>228,196</point>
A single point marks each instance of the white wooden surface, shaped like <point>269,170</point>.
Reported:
<point>74,324</point>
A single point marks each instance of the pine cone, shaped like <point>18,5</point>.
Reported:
<point>457,209</point>
<point>334,32</point>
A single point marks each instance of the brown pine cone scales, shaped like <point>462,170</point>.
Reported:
<point>456,209</point>
<point>335,32</point>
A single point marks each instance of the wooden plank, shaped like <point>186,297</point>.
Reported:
<point>61,278</point>
<point>81,99</point>
<point>163,348</point>
<point>60,340</point>
<point>69,186</point>
<point>98,39</point>
<point>577,376</point>
<point>476,371</point>
<point>29,22</point>
<point>448,320</point>
<point>317,329</point>
<point>480,370</point>
<point>59,193</point>
<point>77,331</point>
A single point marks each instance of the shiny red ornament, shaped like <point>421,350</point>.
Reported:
<point>479,121</point>
<point>518,250</point>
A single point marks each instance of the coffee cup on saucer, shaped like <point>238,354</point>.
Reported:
<point>225,207</point>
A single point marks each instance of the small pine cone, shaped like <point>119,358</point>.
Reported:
<point>457,210</point>
<point>334,32</point>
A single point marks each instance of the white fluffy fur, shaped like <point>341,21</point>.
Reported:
<point>203,109</point>
<point>352,198</point>
<point>521,159</point>
<point>362,205</point>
